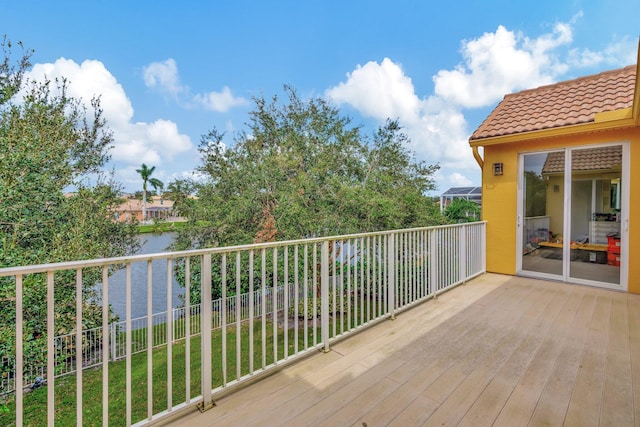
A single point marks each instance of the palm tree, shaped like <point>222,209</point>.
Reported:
<point>179,191</point>
<point>146,173</point>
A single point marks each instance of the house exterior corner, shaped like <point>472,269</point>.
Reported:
<point>585,228</point>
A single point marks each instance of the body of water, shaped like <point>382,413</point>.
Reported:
<point>151,243</point>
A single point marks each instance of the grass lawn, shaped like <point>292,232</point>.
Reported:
<point>35,402</point>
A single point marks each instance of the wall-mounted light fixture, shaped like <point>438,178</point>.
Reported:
<point>497,169</point>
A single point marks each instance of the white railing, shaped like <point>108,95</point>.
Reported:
<point>313,292</point>
<point>66,363</point>
<point>118,338</point>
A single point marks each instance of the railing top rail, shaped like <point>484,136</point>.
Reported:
<point>99,262</point>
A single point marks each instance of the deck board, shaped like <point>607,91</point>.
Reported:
<point>525,395</point>
<point>633,304</point>
<point>617,405</point>
<point>552,406</point>
<point>584,407</point>
<point>498,351</point>
<point>516,341</point>
<point>487,407</point>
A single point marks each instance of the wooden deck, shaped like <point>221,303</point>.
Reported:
<point>499,351</point>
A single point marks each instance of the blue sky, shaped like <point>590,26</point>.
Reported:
<point>170,71</point>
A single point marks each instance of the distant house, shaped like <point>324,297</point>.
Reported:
<point>157,208</point>
<point>473,194</point>
<point>561,194</point>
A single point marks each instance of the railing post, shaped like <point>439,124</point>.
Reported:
<point>150,339</point>
<point>51,349</point>
<point>128,343</point>
<point>205,333</point>
<point>483,246</point>
<point>169,329</point>
<point>463,254</point>
<point>19,380</point>
<point>324,294</point>
<point>112,336</point>
<point>433,274</point>
<point>105,347</point>
<point>391,274</point>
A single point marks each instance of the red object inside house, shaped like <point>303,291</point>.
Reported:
<point>614,244</point>
<point>613,252</point>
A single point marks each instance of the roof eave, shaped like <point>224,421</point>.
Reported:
<point>609,120</point>
<point>635,112</point>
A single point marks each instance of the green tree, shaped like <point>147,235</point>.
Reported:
<point>50,142</point>
<point>300,170</point>
<point>535,194</point>
<point>462,210</point>
<point>180,192</point>
<point>145,173</point>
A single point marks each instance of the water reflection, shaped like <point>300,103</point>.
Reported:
<point>150,243</point>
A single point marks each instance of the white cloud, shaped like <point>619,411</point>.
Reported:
<point>499,63</point>
<point>502,62</point>
<point>622,52</point>
<point>618,53</point>
<point>459,180</point>
<point>219,101</point>
<point>151,143</point>
<point>164,77</point>
<point>377,90</point>
<point>192,175</point>
<point>134,143</point>
<point>449,178</point>
<point>582,58</point>
<point>87,80</point>
<point>493,65</point>
<point>437,130</point>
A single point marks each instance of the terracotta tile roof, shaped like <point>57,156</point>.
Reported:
<point>554,163</point>
<point>591,159</point>
<point>562,104</point>
<point>153,203</point>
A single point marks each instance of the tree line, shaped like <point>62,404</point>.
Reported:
<point>300,169</point>
<point>49,142</point>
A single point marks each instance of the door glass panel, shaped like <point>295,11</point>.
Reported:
<point>543,209</point>
<point>595,214</point>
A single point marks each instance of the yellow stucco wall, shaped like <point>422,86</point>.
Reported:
<point>499,208</point>
<point>499,197</point>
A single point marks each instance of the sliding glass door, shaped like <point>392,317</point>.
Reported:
<point>542,213</point>
<point>569,224</point>
<point>596,180</point>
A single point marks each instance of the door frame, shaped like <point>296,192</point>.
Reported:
<point>566,259</point>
